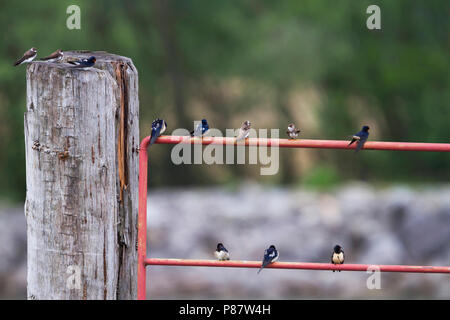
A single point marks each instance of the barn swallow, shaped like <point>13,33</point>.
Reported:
<point>200,129</point>
<point>361,137</point>
<point>221,253</point>
<point>338,255</point>
<point>292,132</point>
<point>83,63</point>
<point>27,57</point>
<point>158,128</point>
<point>270,256</point>
<point>54,57</point>
<point>244,131</point>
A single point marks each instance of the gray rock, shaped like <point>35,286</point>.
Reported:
<point>396,225</point>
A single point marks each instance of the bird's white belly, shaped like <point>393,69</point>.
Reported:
<point>338,258</point>
<point>28,60</point>
<point>222,255</point>
<point>276,257</point>
<point>54,60</point>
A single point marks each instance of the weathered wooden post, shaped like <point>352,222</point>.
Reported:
<point>81,139</point>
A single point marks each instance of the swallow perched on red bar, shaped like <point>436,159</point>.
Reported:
<point>244,131</point>
<point>338,256</point>
<point>270,256</point>
<point>221,253</point>
<point>361,137</point>
<point>54,57</point>
<point>27,57</point>
<point>158,128</point>
<point>83,63</point>
<point>292,131</point>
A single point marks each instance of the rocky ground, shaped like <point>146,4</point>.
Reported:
<point>395,225</point>
<point>13,253</point>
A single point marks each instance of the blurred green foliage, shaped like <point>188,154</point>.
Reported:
<point>231,60</point>
<point>321,177</point>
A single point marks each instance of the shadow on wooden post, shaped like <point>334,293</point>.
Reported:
<point>81,140</point>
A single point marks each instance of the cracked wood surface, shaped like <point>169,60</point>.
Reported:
<point>81,136</point>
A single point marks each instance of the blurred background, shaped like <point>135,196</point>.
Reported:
<point>310,62</point>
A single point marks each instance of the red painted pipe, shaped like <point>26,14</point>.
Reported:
<point>307,143</point>
<point>283,143</point>
<point>142,218</point>
<point>295,265</point>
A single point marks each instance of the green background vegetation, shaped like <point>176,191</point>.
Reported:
<point>312,62</point>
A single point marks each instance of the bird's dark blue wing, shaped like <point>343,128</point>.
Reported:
<point>205,126</point>
<point>266,261</point>
<point>267,258</point>
<point>156,129</point>
<point>364,136</point>
<point>155,134</point>
<point>360,144</point>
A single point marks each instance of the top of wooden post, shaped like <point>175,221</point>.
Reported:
<point>105,61</point>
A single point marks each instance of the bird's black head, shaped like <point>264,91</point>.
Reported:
<point>219,246</point>
<point>365,128</point>
<point>272,247</point>
<point>92,59</point>
<point>204,121</point>
<point>337,248</point>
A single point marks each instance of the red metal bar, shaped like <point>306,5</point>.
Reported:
<point>283,143</point>
<point>307,143</point>
<point>295,265</point>
<point>142,218</point>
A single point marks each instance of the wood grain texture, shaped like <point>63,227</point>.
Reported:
<point>81,140</point>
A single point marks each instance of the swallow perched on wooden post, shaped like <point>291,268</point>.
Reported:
<point>83,63</point>
<point>27,57</point>
<point>54,57</point>
<point>270,256</point>
<point>200,129</point>
<point>361,137</point>
<point>244,131</point>
<point>338,256</point>
<point>158,128</point>
<point>292,132</point>
<point>221,253</point>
